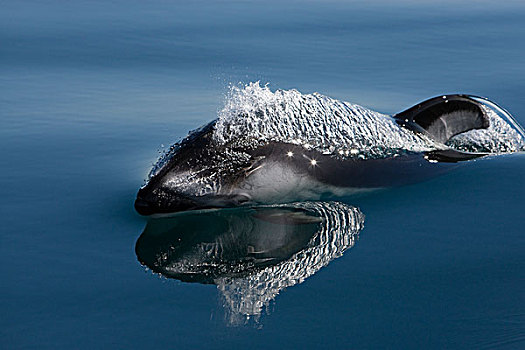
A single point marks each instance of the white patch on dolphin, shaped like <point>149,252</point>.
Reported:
<point>275,182</point>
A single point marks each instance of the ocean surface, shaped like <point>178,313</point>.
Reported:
<point>92,92</point>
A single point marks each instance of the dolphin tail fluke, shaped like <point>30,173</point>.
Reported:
<point>443,117</point>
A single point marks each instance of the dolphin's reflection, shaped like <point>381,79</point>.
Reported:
<point>251,254</point>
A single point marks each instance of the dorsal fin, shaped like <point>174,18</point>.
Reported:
<point>444,116</point>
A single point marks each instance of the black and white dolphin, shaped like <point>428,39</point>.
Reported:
<point>283,146</point>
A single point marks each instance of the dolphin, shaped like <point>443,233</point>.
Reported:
<point>284,146</point>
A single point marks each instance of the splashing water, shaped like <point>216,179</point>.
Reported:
<point>504,134</point>
<point>255,114</point>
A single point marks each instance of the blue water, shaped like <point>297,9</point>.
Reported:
<point>90,91</point>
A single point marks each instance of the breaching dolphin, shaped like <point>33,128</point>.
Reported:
<point>283,146</point>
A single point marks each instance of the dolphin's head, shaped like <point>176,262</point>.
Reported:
<point>197,173</point>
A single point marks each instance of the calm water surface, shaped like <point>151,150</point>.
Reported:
<point>90,91</point>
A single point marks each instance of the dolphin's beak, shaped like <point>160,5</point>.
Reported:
<point>143,207</point>
<point>147,204</point>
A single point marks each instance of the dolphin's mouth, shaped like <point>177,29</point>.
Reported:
<point>181,203</point>
<point>147,207</point>
<point>143,207</point>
